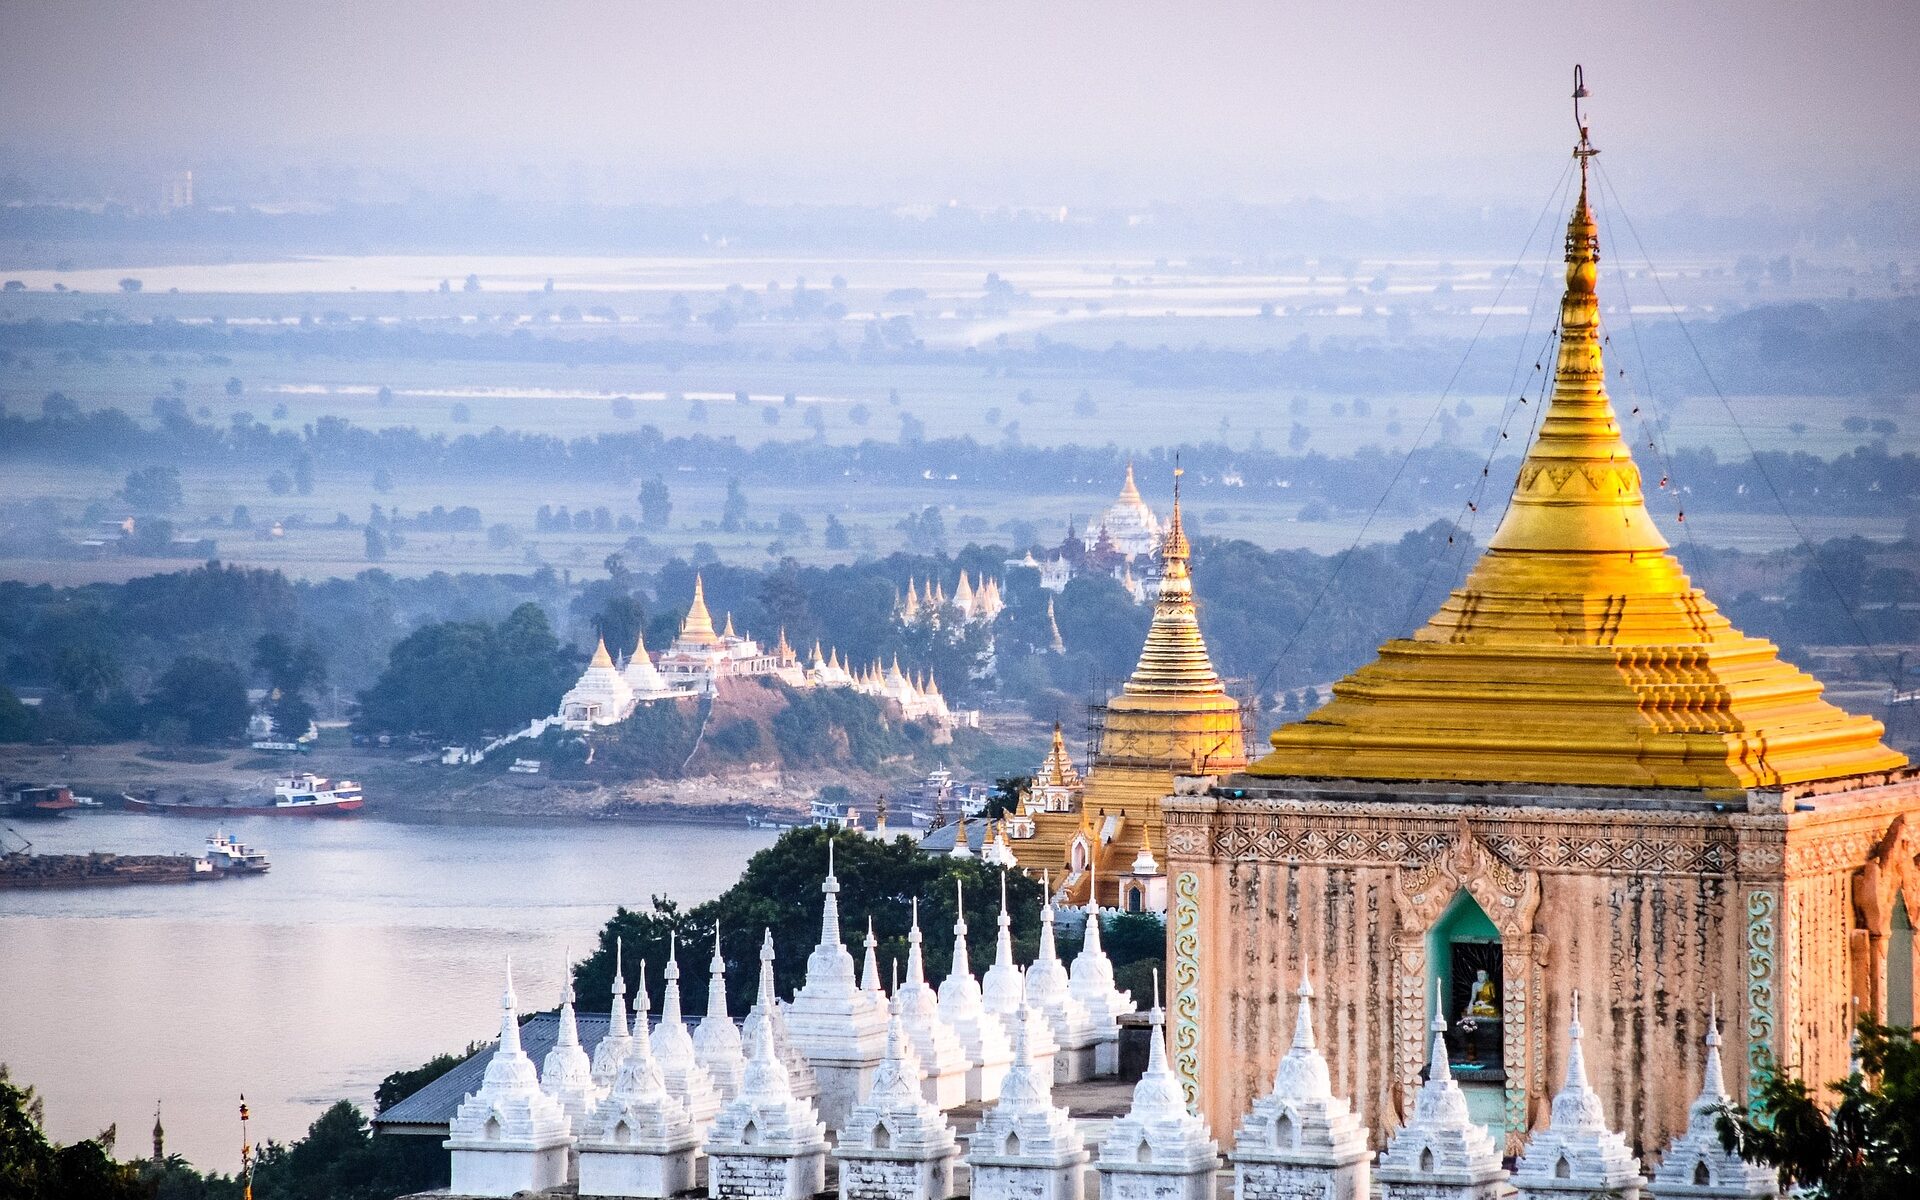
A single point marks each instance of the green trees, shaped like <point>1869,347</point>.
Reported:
<point>1866,1147</point>
<point>291,671</point>
<point>733,513</point>
<point>467,679</point>
<point>206,697</point>
<point>33,1168</point>
<point>153,490</point>
<point>656,503</point>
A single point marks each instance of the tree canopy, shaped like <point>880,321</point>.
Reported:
<point>468,679</point>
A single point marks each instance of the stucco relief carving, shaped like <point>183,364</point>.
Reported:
<point>1509,897</point>
<point>1186,983</point>
<point>1761,909</point>
<point>1890,871</point>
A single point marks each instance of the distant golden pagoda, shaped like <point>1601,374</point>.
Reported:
<point>1174,716</point>
<point>697,629</point>
<point>1577,651</point>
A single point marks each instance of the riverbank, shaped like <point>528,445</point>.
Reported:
<point>398,787</point>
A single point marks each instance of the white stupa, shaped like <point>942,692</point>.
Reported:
<point>616,1042</point>
<point>509,1136</point>
<point>842,1032</point>
<point>1003,991</point>
<point>1695,1166</point>
<point>1090,981</point>
<point>1026,1147</point>
<point>716,1039</point>
<point>1049,990</point>
<point>1440,1154</point>
<point>1160,1150</point>
<point>1577,1155</point>
<point>600,696</point>
<point>897,1145</point>
<point>643,679</point>
<point>1301,1139</point>
<point>639,1140</point>
<point>567,1072</point>
<point>766,1144</point>
<point>870,989</point>
<point>982,1036</point>
<point>942,1058</point>
<point>687,1081</point>
<point>767,1010</point>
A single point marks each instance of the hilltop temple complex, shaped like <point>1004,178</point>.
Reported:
<point>1173,717</point>
<point>1576,776</point>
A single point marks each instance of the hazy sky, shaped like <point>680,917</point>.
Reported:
<point>988,102</point>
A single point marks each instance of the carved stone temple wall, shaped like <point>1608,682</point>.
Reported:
<point>1776,901</point>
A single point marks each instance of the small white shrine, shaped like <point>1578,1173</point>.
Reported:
<point>1090,981</point>
<point>1576,1155</point>
<point>1003,991</point>
<point>509,1136</point>
<point>686,1080</point>
<point>1695,1166</point>
<point>767,1011</point>
<point>766,1144</point>
<point>982,1037</point>
<point>641,676</point>
<point>1441,1154</point>
<point>716,1039</point>
<point>897,1145</point>
<point>1074,1029</point>
<point>599,697</point>
<point>1026,1147</point>
<point>1160,1150</point>
<point>639,1142</point>
<point>567,1072</point>
<point>1301,1139</point>
<point>841,1031</point>
<point>943,1060</point>
<point>614,1045</point>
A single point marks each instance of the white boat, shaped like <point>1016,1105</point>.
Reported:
<point>227,854</point>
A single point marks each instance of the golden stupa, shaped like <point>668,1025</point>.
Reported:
<point>1577,651</point>
<point>697,629</point>
<point>1174,716</point>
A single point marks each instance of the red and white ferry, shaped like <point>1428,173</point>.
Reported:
<point>304,795</point>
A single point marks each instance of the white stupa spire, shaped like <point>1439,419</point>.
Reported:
<point>1441,1144</point>
<point>1003,992</point>
<point>870,965</point>
<point>687,1081</point>
<point>766,1011</point>
<point>841,1029</point>
<point>1159,1144</point>
<point>639,1140</point>
<point>613,1046</point>
<point>567,1072</point>
<point>1026,1145</point>
<point>1300,1138</point>
<point>981,1035</point>
<point>509,1128</point>
<point>766,1130</point>
<point>1577,1155</point>
<point>1050,991</point>
<point>896,1142</point>
<point>1090,981</point>
<point>1695,1165</point>
<point>943,1059</point>
<point>716,1039</point>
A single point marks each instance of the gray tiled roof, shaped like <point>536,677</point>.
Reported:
<point>428,1110</point>
<point>940,841</point>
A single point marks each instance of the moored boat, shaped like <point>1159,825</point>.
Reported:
<point>228,855</point>
<point>304,795</point>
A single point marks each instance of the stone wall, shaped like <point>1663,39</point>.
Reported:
<point>1650,912</point>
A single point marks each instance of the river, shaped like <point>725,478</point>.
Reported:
<point>371,946</point>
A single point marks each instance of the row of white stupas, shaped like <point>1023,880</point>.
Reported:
<point>975,605</point>
<point>609,690</point>
<point>882,1072</point>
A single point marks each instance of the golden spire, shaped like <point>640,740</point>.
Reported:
<point>600,656</point>
<point>639,644</point>
<point>728,632</point>
<point>1057,769</point>
<point>698,627</point>
<point>1130,494</point>
<point>1577,651</point>
<point>781,650</point>
<point>1174,660</point>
